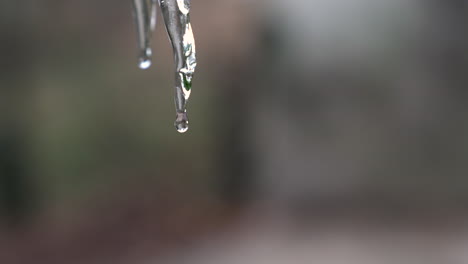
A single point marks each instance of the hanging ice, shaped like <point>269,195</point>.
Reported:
<point>176,14</point>
<point>145,18</point>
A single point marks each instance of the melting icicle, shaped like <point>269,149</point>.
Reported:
<point>176,15</point>
<point>145,18</point>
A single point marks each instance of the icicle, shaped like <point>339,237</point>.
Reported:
<point>145,18</point>
<point>176,15</point>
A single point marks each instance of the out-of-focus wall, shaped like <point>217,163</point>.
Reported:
<point>363,99</point>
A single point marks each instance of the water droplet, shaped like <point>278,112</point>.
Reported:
<point>181,122</point>
<point>145,59</point>
<point>144,64</point>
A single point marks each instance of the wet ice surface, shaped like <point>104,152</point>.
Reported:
<point>176,14</point>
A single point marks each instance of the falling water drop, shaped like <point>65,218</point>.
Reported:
<point>145,59</point>
<point>176,15</point>
<point>145,18</point>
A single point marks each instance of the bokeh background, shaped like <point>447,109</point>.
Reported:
<point>322,131</point>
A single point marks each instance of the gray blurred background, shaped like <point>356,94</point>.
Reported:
<point>322,131</point>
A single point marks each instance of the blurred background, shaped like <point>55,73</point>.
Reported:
<point>322,131</point>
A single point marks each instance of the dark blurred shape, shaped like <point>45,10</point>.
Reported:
<point>16,194</point>
<point>234,182</point>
